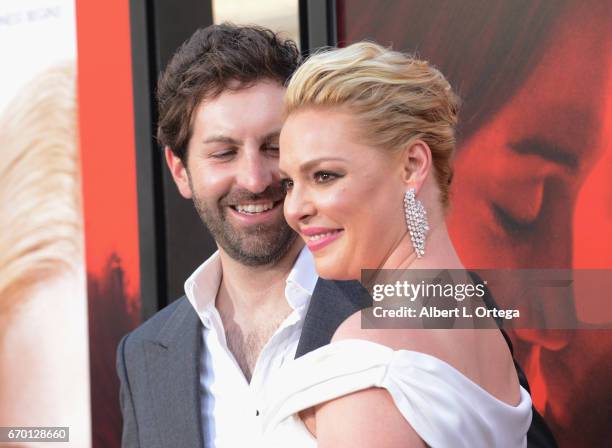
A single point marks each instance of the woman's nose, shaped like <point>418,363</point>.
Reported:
<point>298,206</point>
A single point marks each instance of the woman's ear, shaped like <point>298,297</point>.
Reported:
<point>415,162</point>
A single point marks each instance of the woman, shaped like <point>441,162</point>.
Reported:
<point>534,77</point>
<point>367,144</point>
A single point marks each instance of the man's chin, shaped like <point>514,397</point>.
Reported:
<point>259,248</point>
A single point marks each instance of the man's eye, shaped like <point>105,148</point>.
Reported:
<point>271,150</point>
<point>224,154</point>
<point>286,184</point>
<point>322,177</point>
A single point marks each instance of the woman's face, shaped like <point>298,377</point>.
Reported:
<point>344,198</point>
<point>518,177</point>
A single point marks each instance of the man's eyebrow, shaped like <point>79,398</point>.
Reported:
<point>271,136</point>
<point>221,139</point>
<point>546,150</point>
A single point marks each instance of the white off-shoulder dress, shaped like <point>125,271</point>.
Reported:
<point>444,407</point>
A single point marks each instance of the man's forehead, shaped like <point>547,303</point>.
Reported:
<point>253,111</point>
<point>237,88</point>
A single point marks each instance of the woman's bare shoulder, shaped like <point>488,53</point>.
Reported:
<point>481,355</point>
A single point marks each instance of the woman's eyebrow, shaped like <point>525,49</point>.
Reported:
<point>308,165</point>
<point>547,150</point>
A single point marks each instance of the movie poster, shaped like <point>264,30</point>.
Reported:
<point>533,166</point>
<point>44,360</point>
<point>110,205</point>
<point>69,276</point>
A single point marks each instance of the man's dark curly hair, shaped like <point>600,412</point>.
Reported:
<point>206,64</point>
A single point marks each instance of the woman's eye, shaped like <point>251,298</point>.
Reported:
<point>322,177</point>
<point>512,224</point>
<point>286,184</point>
<point>521,212</point>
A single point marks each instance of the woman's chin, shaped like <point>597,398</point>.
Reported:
<point>333,271</point>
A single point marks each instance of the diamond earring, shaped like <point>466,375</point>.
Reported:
<point>416,220</point>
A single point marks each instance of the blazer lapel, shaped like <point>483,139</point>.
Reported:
<point>331,304</point>
<point>174,379</point>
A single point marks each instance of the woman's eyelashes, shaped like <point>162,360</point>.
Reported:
<point>509,223</point>
<point>324,177</point>
<point>286,184</point>
<point>515,223</point>
<point>318,178</point>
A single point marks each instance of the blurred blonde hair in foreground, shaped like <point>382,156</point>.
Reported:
<point>40,194</point>
<point>44,377</point>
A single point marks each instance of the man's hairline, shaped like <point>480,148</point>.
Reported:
<point>241,86</point>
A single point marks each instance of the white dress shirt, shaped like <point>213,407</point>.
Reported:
<point>230,405</point>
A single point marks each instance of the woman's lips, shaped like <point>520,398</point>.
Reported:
<point>318,237</point>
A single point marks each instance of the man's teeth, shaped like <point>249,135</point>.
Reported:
<point>254,208</point>
<point>321,235</point>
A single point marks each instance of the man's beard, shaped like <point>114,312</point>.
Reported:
<point>255,245</point>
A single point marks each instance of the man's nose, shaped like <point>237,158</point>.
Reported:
<point>256,173</point>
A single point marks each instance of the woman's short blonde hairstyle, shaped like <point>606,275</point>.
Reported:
<point>396,97</point>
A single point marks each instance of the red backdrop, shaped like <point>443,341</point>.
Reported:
<point>109,199</point>
<point>532,172</point>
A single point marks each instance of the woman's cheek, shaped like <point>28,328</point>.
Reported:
<point>337,205</point>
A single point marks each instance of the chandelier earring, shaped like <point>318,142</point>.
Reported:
<point>416,221</point>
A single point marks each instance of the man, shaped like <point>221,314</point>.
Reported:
<point>192,374</point>
<point>220,102</point>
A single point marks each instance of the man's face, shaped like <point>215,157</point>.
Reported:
<point>232,174</point>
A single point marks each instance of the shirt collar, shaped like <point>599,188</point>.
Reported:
<point>202,286</point>
<point>301,280</point>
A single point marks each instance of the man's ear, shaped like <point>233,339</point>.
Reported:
<point>179,173</point>
<point>415,163</point>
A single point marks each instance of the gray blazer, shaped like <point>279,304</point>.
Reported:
<point>158,368</point>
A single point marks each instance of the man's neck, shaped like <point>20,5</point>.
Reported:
<point>250,288</point>
<point>252,304</point>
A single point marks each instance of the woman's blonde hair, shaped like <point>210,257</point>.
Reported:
<point>40,214</point>
<point>396,98</point>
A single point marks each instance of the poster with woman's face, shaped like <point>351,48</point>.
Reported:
<point>44,361</point>
<point>69,277</point>
<point>533,165</point>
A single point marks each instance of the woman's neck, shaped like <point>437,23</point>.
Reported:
<point>439,252</point>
